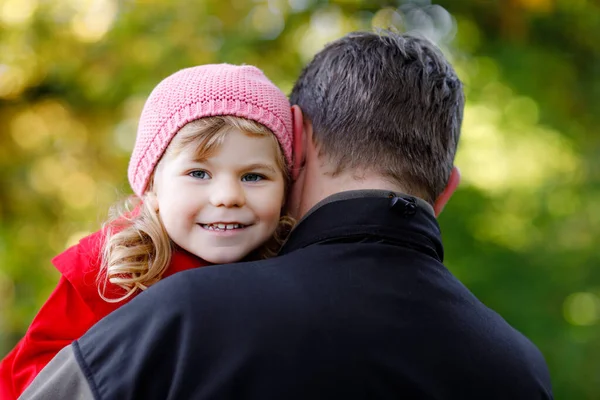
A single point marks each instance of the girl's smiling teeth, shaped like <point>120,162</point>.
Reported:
<point>222,227</point>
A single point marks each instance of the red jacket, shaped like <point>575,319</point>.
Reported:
<point>73,307</point>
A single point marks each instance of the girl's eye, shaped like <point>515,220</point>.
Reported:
<point>199,174</point>
<point>252,178</point>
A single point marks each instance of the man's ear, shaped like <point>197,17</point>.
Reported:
<point>443,198</point>
<point>299,142</point>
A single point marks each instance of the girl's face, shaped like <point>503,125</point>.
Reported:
<point>224,206</point>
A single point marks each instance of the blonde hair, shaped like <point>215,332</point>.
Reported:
<point>137,249</point>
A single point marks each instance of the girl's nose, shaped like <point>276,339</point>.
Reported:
<point>227,193</point>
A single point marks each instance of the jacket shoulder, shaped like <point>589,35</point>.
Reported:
<point>80,264</point>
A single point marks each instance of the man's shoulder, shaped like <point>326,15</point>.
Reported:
<point>492,350</point>
<point>213,277</point>
<point>217,285</point>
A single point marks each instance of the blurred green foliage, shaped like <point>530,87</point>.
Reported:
<point>521,233</point>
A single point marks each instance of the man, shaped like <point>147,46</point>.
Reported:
<point>358,304</point>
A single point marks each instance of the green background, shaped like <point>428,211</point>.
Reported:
<point>521,233</point>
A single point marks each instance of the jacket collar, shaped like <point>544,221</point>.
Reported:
<point>372,214</point>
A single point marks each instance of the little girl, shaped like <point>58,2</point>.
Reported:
<point>209,171</point>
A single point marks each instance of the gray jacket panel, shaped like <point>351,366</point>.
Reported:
<point>61,379</point>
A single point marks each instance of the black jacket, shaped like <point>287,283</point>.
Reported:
<point>358,306</point>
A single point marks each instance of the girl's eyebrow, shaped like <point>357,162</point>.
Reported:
<point>206,160</point>
<point>260,166</point>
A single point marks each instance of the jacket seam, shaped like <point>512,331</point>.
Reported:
<point>89,376</point>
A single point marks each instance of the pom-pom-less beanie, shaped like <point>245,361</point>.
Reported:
<point>206,91</point>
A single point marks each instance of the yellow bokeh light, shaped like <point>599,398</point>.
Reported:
<point>12,81</point>
<point>508,222</point>
<point>28,130</point>
<point>582,308</point>
<point>17,12</point>
<point>93,19</point>
<point>124,135</point>
<point>267,21</point>
<point>59,124</point>
<point>494,93</point>
<point>146,51</point>
<point>387,18</point>
<point>506,149</point>
<point>107,197</point>
<point>522,109</point>
<point>52,112</point>
<point>47,174</point>
<point>326,25</point>
<point>77,190</point>
<point>75,237</point>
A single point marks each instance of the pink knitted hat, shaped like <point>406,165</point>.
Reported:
<point>205,91</point>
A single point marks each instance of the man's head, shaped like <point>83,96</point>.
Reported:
<point>380,111</point>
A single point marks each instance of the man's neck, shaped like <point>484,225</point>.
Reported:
<point>327,185</point>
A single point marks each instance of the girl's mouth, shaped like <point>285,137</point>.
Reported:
<point>222,227</point>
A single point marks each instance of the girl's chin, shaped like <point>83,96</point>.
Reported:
<point>225,257</point>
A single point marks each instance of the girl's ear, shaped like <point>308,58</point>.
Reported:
<point>151,199</point>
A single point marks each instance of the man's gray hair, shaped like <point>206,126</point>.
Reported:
<point>385,102</point>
